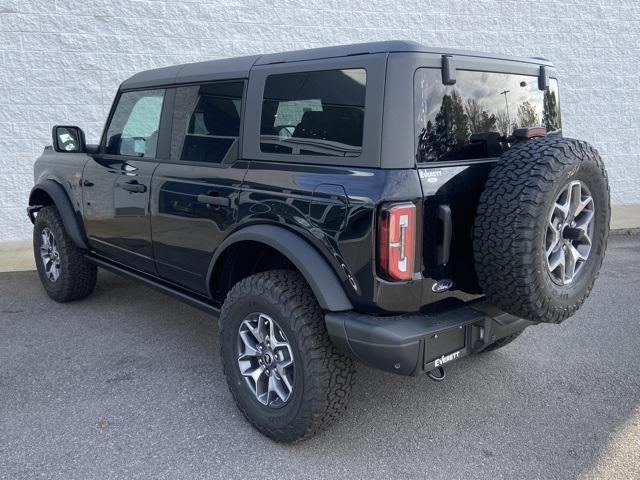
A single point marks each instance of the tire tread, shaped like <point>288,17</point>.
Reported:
<point>507,219</point>
<point>78,276</point>
<point>328,395</point>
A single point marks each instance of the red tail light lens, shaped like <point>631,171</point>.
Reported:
<point>396,245</point>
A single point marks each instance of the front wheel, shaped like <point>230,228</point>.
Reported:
<point>283,371</point>
<point>64,271</point>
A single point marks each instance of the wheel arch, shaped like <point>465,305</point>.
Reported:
<point>323,281</point>
<point>49,192</point>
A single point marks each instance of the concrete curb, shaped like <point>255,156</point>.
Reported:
<point>625,217</point>
<point>18,256</point>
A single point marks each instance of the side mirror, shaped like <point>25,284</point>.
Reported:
<point>68,139</point>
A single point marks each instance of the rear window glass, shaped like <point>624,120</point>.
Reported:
<point>314,113</point>
<point>473,117</point>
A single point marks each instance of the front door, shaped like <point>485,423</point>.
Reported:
<point>195,192</point>
<point>117,181</point>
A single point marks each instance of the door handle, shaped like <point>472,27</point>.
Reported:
<point>214,200</point>
<point>133,186</point>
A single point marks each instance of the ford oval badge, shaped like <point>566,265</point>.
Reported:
<point>442,285</point>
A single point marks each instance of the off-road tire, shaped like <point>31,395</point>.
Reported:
<point>323,377</point>
<point>511,221</point>
<point>503,342</point>
<point>77,275</point>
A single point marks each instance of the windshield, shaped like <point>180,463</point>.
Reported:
<point>471,118</point>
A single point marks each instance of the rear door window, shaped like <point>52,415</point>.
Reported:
<point>206,122</point>
<point>314,113</point>
<point>133,130</point>
<point>472,118</point>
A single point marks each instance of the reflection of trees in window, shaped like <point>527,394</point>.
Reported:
<point>451,125</point>
<point>468,120</point>
<point>449,133</point>
<point>451,128</point>
<point>426,150</point>
<point>460,121</point>
<point>527,115</point>
<point>479,119</point>
<point>454,123</point>
<point>502,122</point>
<point>550,113</point>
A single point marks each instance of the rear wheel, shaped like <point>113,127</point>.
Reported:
<point>64,271</point>
<point>283,371</point>
<point>541,228</point>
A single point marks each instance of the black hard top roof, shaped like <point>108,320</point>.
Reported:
<point>239,67</point>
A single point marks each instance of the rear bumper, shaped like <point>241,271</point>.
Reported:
<point>416,343</point>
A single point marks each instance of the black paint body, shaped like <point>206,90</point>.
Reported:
<point>164,231</point>
<point>168,221</point>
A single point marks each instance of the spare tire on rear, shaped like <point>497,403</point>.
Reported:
<point>541,228</point>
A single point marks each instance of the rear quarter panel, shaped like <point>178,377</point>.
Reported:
<point>299,197</point>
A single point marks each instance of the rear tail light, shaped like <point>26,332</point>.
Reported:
<point>396,245</point>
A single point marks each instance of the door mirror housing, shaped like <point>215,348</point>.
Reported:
<point>68,139</point>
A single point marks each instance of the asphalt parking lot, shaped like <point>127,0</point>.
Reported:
<point>128,384</point>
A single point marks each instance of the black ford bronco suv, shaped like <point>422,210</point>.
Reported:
<point>386,202</point>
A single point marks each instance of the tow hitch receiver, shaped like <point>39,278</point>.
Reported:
<point>439,377</point>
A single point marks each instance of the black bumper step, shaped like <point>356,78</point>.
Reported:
<point>415,343</point>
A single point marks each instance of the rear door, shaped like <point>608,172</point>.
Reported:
<point>117,181</point>
<point>195,191</point>
<point>460,132</point>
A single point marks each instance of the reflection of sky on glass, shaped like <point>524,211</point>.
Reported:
<point>482,86</point>
<point>357,74</point>
<point>137,114</point>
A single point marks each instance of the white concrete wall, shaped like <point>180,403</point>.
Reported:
<point>61,61</point>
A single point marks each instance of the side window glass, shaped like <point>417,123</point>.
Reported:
<point>206,123</point>
<point>314,113</point>
<point>134,126</point>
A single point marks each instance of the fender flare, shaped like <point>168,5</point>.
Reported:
<point>70,220</point>
<point>323,281</point>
